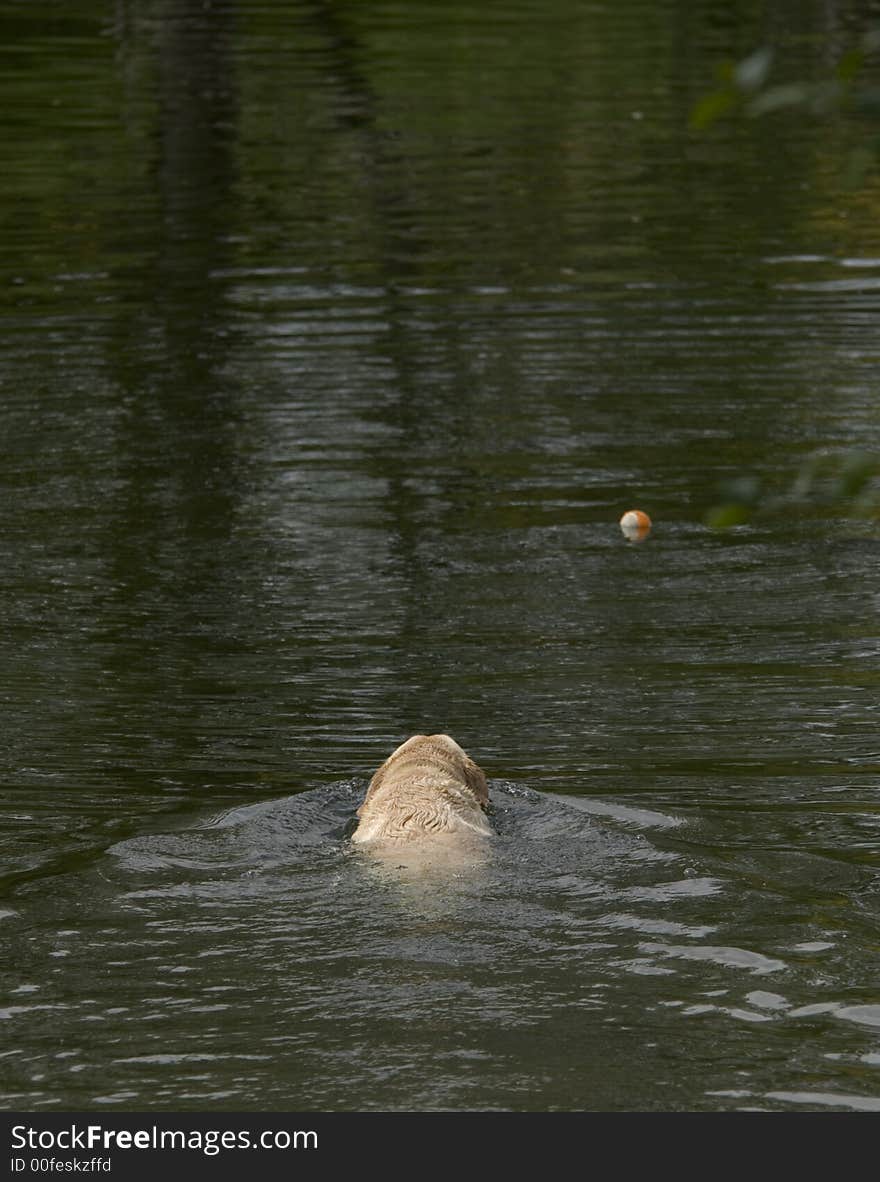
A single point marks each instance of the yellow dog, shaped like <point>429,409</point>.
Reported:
<point>427,786</point>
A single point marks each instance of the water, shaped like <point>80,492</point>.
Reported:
<point>334,343</point>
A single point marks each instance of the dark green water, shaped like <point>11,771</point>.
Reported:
<point>334,340</point>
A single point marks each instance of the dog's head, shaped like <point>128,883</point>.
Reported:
<point>430,753</point>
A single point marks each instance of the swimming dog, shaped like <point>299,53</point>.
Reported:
<point>426,788</point>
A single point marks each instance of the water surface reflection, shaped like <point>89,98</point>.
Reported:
<point>277,966</point>
<point>334,344</point>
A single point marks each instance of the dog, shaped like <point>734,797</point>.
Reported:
<point>427,788</point>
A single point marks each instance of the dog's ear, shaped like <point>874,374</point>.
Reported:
<point>476,781</point>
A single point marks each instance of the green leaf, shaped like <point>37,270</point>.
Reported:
<point>751,73</point>
<point>726,516</point>
<point>711,107</point>
<point>850,65</point>
<point>792,94</point>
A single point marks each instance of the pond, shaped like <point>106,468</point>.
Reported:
<point>336,338</point>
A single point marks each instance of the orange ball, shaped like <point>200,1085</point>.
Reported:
<point>635,525</point>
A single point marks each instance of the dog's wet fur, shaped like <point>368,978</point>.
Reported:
<point>429,788</point>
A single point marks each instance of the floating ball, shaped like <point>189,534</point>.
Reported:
<point>635,525</point>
